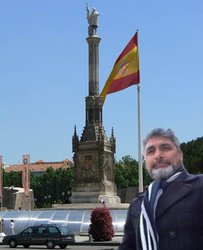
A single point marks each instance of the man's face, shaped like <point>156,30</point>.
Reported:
<point>162,157</point>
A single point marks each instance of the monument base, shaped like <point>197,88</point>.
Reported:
<point>90,206</point>
<point>94,197</point>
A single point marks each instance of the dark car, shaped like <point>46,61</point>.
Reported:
<point>49,235</point>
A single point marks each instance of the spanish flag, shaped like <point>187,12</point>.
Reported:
<point>125,71</point>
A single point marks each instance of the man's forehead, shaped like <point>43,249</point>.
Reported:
<point>157,140</point>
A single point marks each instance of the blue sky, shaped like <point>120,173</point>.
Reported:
<point>44,73</point>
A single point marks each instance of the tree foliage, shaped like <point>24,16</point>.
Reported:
<point>13,178</point>
<point>193,155</point>
<point>126,173</point>
<point>54,186</point>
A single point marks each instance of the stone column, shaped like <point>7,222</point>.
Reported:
<point>93,43</point>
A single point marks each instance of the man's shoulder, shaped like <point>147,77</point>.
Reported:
<point>200,177</point>
<point>135,205</point>
<point>192,177</point>
<point>138,199</point>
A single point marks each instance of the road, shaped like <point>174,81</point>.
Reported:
<point>76,247</point>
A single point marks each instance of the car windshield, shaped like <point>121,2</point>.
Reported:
<point>64,229</point>
<point>28,231</point>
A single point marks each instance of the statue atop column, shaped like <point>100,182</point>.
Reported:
<point>93,20</point>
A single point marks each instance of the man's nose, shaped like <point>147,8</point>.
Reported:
<point>158,153</point>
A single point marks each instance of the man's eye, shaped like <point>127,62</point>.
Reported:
<point>166,147</point>
<point>150,151</point>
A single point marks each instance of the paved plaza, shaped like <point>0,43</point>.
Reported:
<point>82,243</point>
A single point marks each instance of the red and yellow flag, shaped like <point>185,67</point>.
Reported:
<point>126,70</point>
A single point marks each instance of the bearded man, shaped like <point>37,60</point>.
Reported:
<point>169,214</point>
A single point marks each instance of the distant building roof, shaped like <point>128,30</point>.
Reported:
<point>41,166</point>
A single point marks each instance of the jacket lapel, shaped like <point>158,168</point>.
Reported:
<point>176,191</point>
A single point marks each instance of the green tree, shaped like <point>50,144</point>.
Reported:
<point>13,178</point>
<point>53,186</point>
<point>126,173</point>
<point>193,155</point>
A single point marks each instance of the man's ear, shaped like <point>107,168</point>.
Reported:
<point>143,159</point>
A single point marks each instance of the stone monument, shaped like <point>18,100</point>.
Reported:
<point>94,152</point>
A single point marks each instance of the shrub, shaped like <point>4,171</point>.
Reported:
<point>101,227</point>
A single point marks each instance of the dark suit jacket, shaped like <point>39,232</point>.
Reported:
<point>179,216</point>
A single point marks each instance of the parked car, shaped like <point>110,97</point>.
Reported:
<point>49,235</point>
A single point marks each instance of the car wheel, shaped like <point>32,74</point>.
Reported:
<point>26,246</point>
<point>62,246</point>
<point>12,243</point>
<point>50,244</point>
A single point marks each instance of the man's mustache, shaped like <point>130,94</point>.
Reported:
<point>161,160</point>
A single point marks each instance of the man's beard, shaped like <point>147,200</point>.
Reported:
<point>162,173</point>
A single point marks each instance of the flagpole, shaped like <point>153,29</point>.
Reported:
<point>140,169</point>
<point>139,142</point>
